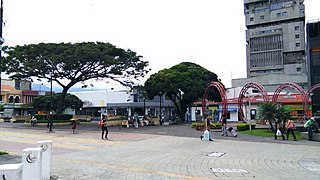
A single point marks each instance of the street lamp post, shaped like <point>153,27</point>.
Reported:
<point>144,106</point>
<point>160,113</point>
<point>1,39</point>
<point>50,115</point>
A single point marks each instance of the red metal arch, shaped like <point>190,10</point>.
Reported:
<point>297,88</point>
<point>308,94</point>
<point>223,95</point>
<point>244,89</point>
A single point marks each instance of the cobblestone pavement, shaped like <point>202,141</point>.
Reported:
<point>163,152</point>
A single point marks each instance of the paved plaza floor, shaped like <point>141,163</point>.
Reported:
<point>163,153</point>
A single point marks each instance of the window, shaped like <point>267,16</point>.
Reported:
<point>296,28</point>
<point>251,19</point>
<point>261,17</point>
<point>284,13</point>
<point>297,44</point>
<point>297,36</point>
<point>299,69</point>
<point>278,14</point>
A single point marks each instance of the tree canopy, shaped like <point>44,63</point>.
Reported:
<point>183,84</point>
<point>44,102</point>
<point>68,64</point>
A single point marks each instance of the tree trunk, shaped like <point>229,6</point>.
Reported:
<point>61,100</point>
<point>271,125</point>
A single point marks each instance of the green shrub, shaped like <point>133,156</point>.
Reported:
<point>215,126</point>
<point>193,125</point>
<point>245,126</point>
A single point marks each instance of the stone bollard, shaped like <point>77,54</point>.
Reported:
<point>46,147</point>
<point>32,162</point>
<point>11,171</point>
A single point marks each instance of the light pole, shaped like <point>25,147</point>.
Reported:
<point>160,113</point>
<point>50,116</point>
<point>144,106</point>
<point>1,39</point>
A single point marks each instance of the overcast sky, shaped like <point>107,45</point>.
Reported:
<point>210,33</point>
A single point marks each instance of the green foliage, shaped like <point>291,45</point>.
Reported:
<point>68,64</point>
<point>215,126</point>
<point>270,111</point>
<point>267,133</point>
<point>267,111</point>
<point>212,125</point>
<point>183,84</point>
<point>3,153</point>
<point>44,102</point>
<point>245,126</point>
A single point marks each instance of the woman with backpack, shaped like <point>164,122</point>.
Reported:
<point>290,128</point>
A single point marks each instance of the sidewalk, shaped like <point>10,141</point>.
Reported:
<point>165,152</point>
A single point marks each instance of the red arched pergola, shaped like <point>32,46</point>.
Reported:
<point>297,88</point>
<point>223,95</point>
<point>244,89</point>
<point>308,95</point>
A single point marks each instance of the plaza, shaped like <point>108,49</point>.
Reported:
<point>163,152</point>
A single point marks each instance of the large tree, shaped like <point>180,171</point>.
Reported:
<point>68,64</point>
<point>44,102</point>
<point>183,84</point>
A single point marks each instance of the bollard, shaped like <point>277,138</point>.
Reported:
<point>11,171</point>
<point>46,147</point>
<point>32,162</point>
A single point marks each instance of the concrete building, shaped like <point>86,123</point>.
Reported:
<point>313,49</point>
<point>275,39</point>
<point>123,103</point>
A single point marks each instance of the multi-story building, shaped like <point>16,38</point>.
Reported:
<point>313,49</point>
<point>275,39</point>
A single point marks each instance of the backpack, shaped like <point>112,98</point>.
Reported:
<point>100,123</point>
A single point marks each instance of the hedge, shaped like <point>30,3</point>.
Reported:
<point>245,126</point>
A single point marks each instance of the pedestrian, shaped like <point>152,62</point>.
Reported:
<point>278,129</point>
<point>207,122</point>
<point>104,128</point>
<point>224,126</point>
<point>309,126</point>
<point>290,128</point>
<point>73,125</point>
<point>136,120</point>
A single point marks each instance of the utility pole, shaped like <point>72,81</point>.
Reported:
<point>1,41</point>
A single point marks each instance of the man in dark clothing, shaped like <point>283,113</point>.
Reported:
<point>104,127</point>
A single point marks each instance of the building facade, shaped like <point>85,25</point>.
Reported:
<point>313,49</point>
<point>275,39</point>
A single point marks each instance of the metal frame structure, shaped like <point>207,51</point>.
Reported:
<point>296,87</point>
<point>223,95</point>
<point>245,88</point>
<point>308,95</point>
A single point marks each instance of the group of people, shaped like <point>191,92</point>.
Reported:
<point>279,129</point>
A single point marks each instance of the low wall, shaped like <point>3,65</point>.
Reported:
<point>316,136</point>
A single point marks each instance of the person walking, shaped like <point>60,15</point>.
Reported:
<point>278,129</point>
<point>73,125</point>
<point>136,120</point>
<point>224,126</point>
<point>104,128</point>
<point>290,127</point>
<point>207,122</point>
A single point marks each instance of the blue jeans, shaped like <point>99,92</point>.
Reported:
<point>310,133</point>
